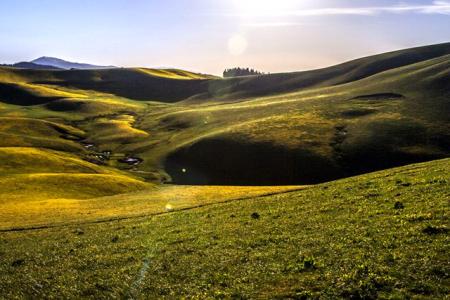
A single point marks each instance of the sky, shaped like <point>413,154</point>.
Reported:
<point>210,35</point>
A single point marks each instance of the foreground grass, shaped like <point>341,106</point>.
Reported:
<point>382,235</point>
<point>59,199</point>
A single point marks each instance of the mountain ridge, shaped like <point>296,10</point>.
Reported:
<point>67,65</point>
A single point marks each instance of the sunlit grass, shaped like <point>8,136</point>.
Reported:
<point>348,238</point>
<point>26,132</point>
<point>174,74</point>
<point>115,130</point>
<point>27,160</point>
<point>49,91</point>
<point>53,202</point>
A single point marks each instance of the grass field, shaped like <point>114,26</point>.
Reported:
<point>381,235</point>
<point>77,198</point>
<point>150,183</point>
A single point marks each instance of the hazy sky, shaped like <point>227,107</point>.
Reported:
<point>211,35</point>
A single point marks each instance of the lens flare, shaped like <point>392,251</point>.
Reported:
<point>169,207</point>
<point>237,44</point>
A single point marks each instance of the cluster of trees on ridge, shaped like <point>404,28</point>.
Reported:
<point>236,72</point>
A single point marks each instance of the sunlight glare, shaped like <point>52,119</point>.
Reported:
<point>237,44</point>
<point>263,7</point>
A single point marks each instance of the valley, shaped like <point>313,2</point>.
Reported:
<point>125,182</point>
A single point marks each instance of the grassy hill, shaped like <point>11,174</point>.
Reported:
<point>396,117</point>
<point>173,85</point>
<point>334,75</point>
<point>168,85</point>
<point>83,212</point>
<point>372,113</point>
<point>382,235</point>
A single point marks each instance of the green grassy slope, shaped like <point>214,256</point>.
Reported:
<point>389,119</point>
<point>382,235</point>
<point>29,173</point>
<point>52,200</point>
<point>134,83</point>
<point>17,131</point>
<point>20,160</point>
<point>175,85</point>
<point>347,72</point>
<point>344,123</point>
<point>81,148</point>
<point>47,186</point>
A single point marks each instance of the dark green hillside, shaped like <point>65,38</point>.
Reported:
<point>397,117</point>
<point>130,83</point>
<point>245,162</point>
<point>138,84</point>
<point>343,73</point>
<point>15,94</point>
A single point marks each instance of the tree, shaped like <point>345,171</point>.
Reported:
<point>237,72</point>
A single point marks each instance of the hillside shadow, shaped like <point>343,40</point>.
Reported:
<point>221,161</point>
<point>385,144</point>
<point>13,94</point>
<point>130,84</point>
<point>356,150</point>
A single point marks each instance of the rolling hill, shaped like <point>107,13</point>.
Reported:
<point>365,115</point>
<point>376,236</point>
<point>335,75</point>
<point>271,192</point>
<point>392,118</point>
<point>172,85</point>
<point>156,85</point>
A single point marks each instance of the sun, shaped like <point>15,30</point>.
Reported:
<point>264,7</point>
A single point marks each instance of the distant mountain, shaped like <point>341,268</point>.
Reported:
<point>63,64</point>
<point>30,65</point>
